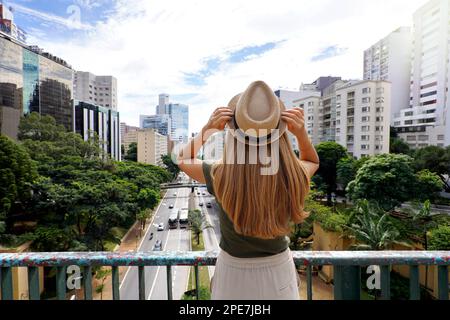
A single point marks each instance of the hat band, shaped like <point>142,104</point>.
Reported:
<point>252,139</point>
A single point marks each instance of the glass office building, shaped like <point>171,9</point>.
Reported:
<point>160,122</point>
<point>179,115</point>
<point>32,82</point>
<point>91,118</point>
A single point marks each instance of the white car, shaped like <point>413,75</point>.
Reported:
<point>161,227</point>
<point>174,194</point>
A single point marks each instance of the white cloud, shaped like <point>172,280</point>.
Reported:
<point>149,45</point>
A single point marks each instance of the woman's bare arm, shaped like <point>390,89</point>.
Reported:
<point>296,124</point>
<point>187,161</point>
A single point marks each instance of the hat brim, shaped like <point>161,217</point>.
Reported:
<point>251,140</point>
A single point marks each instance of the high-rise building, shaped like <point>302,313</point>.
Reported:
<point>7,26</point>
<point>151,146</point>
<point>179,118</point>
<point>311,107</point>
<point>363,117</point>
<point>354,113</point>
<point>90,118</point>
<point>390,59</point>
<point>426,120</point>
<point>33,81</point>
<point>98,90</point>
<point>160,122</point>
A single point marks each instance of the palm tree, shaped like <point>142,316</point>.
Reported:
<point>424,222</point>
<point>198,223</point>
<point>372,228</point>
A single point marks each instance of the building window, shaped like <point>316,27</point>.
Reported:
<point>423,138</point>
<point>365,109</point>
<point>409,113</point>
<point>407,122</point>
<point>410,138</point>
<point>366,90</point>
<point>432,93</point>
<point>364,147</point>
<point>366,100</point>
<point>440,137</point>
<point>365,119</point>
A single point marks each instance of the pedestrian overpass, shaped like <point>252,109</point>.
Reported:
<point>177,185</point>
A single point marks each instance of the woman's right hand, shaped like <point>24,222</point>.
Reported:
<point>295,120</point>
<point>219,119</point>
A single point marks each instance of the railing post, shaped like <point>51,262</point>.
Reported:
<point>61,283</point>
<point>33,283</point>
<point>141,275</point>
<point>169,282</point>
<point>347,282</point>
<point>7,284</point>
<point>309,282</point>
<point>443,282</point>
<point>385,282</point>
<point>87,282</point>
<point>115,283</point>
<point>414,284</point>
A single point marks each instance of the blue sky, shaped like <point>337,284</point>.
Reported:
<point>203,52</point>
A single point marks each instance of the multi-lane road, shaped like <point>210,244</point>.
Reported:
<point>172,240</point>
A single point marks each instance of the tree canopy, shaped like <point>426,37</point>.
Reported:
<point>78,193</point>
<point>330,153</point>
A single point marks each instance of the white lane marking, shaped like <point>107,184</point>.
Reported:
<point>157,271</point>
<point>143,239</point>
<point>167,239</point>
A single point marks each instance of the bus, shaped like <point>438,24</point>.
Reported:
<point>183,218</point>
<point>173,220</point>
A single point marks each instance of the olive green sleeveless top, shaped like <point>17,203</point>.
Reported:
<point>238,245</point>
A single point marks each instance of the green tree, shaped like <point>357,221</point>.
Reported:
<point>170,165</point>
<point>398,146</point>
<point>17,173</point>
<point>330,153</point>
<point>132,152</point>
<point>197,223</point>
<point>387,179</point>
<point>435,159</point>
<point>371,227</point>
<point>101,274</point>
<point>428,185</point>
<point>440,238</point>
<point>347,169</point>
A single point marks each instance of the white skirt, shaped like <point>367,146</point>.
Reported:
<point>266,278</point>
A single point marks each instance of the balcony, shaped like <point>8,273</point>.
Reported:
<point>346,268</point>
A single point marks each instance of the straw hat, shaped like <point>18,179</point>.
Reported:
<point>257,114</point>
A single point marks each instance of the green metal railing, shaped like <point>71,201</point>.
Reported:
<point>346,268</point>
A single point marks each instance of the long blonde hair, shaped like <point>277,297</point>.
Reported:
<point>262,205</point>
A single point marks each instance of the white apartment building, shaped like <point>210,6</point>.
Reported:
<point>311,105</point>
<point>97,90</point>
<point>355,114</point>
<point>363,117</point>
<point>390,59</point>
<point>151,146</point>
<point>427,121</point>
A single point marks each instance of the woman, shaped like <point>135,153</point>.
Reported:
<point>260,187</point>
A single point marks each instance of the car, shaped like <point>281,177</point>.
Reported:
<point>204,193</point>
<point>198,193</point>
<point>201,204</point>
<point>158,245</point>
<point>174,194</point>
<point>161,227</point>
<point>208,205</point>
<point>171,206</point>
